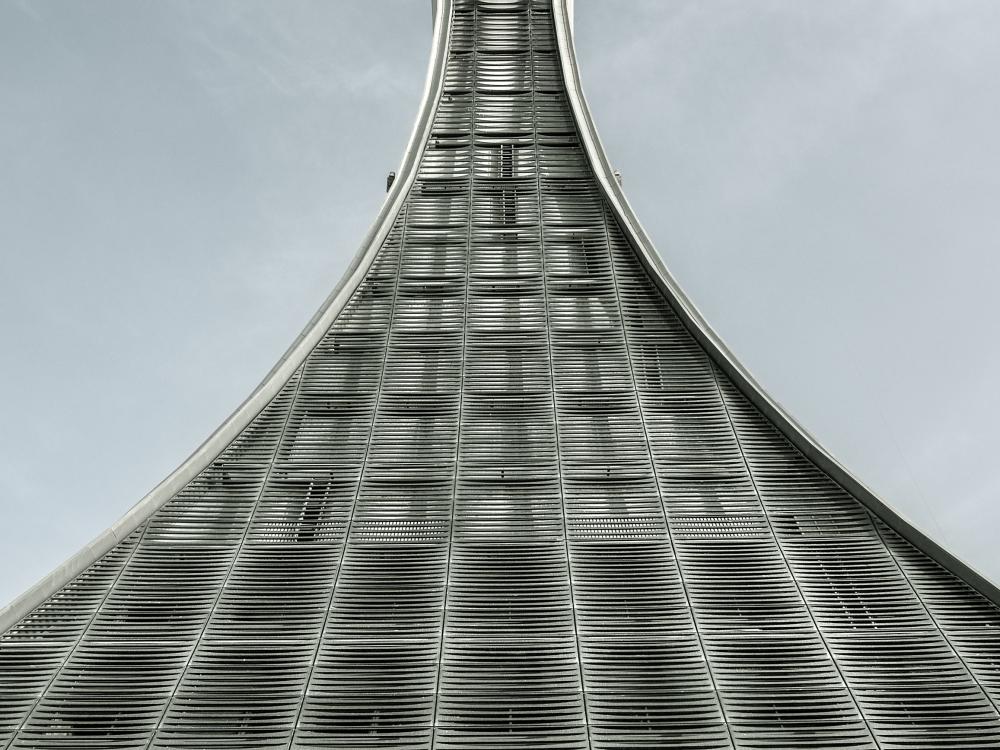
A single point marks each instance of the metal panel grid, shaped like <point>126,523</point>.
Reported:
<point>507,501</point>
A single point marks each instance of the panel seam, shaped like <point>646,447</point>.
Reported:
<point>656,479</point>
<point>551,368</point>
<point>461,386</point>
<point>361,480</point>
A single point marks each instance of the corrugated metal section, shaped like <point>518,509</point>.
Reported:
<point>507,501</point>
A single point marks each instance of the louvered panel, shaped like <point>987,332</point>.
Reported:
<point>952,603</point>
<point>463,29</point>
<point>500,27</point>
<point>967,619</point>
<point>850,584</point>
<point>236,693</point>
<point>590,362</point>
<point>370,693</point>
<point>405,504</point>
<point>740,585</point>
<point>782,690</point>
<point>275,592</point>
<point>327,430</point>
<point>509,591</point>
<point>504,364</point>
<point>109,694</point>
<point>980,650</point>
<point>508,73</point>
<point>601,506</point>
<point>441,167</point>
<point>375,670</point>
<point>629,590</point>
<point>165,592</point>
<point>344,362</point>
<point>305,505</point>
<point>914,692</point>
<point>26,667</point>
<point>849,579</point>
<point>212,510</point>
<point>653,692</point>
<point>510,693</point>
<point>423,368</point>
<point>507,478</point>
<point>387,591</point>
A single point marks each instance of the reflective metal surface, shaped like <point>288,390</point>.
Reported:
<point>504,498</point>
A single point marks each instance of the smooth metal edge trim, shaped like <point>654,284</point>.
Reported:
<point>296,354</point>
<point>712,342</point>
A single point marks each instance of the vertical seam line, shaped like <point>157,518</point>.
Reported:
<point>551,368</point>
<point>461,382</point>
<point>361,480</point>
<point>656,479</point>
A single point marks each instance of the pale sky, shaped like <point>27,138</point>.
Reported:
<point>182,182</point>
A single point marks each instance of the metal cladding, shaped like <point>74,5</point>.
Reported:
<point>506,499</point>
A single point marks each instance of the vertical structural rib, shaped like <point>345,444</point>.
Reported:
<point>507,490</point>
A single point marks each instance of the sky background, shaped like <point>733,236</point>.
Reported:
<point>182,183</point>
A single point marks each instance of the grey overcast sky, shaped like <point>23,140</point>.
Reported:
<point>183,181</point>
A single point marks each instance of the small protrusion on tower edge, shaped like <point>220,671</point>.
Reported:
<point>389,179</point>
<point>618,177</point>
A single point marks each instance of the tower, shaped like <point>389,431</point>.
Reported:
<point>508,489</point>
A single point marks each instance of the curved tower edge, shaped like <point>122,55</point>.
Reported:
<point>712,342</point>
<point>290,361</point>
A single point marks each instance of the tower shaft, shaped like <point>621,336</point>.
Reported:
<point>505,492</point>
